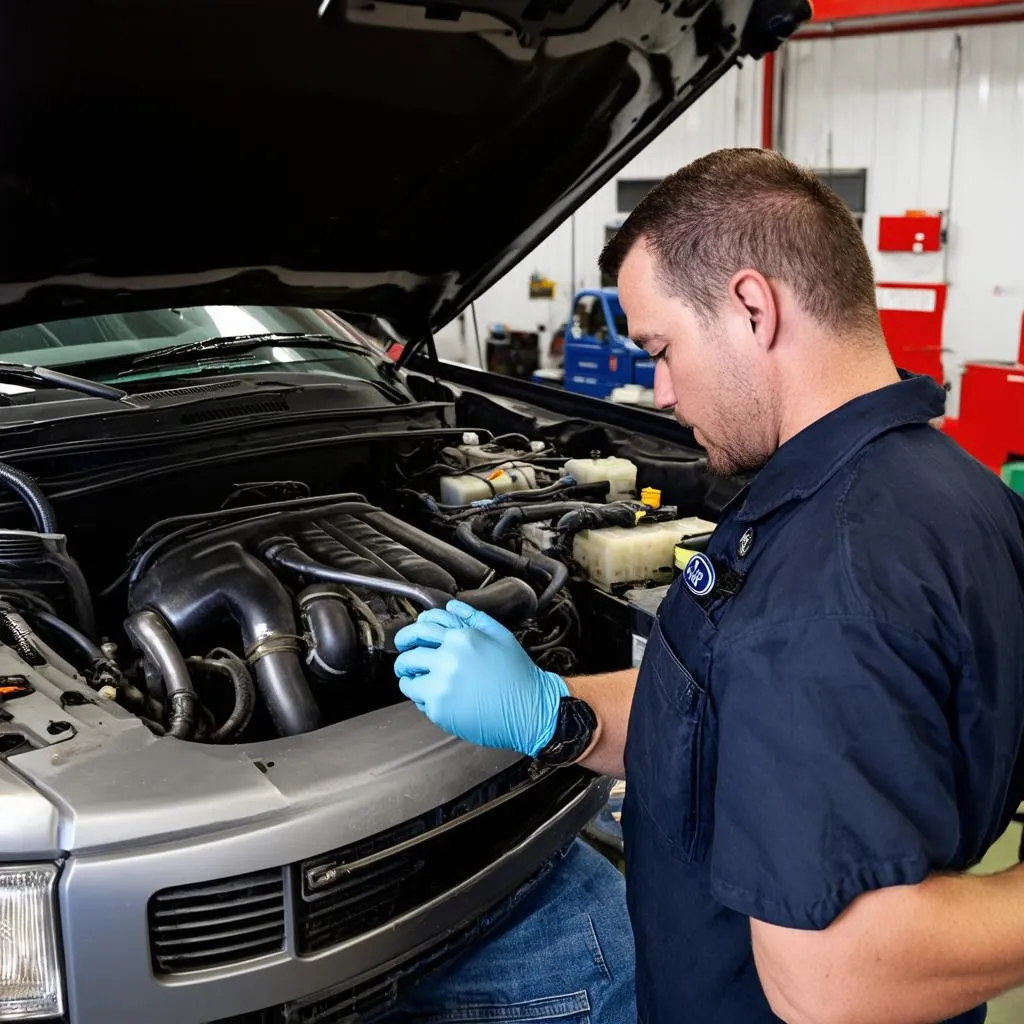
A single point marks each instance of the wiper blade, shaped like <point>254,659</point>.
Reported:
<point>17,373</point>
<point>242,343</point>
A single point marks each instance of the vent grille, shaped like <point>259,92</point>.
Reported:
<point>358,888</point>
<point>193,389</point>
<point>227,412</point>
<point>373,998</point>
<point>216,923</point>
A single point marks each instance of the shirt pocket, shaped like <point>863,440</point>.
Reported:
<point>666,738</point>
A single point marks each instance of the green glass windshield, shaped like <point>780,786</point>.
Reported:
<point>101,347</point>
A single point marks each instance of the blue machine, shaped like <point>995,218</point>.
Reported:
<point>598,353</point>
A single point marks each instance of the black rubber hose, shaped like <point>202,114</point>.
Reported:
<point>80,640</point>
<point>516,516</point>
<point>697,542</point>
<point>534,493</point>
<point>30,492</point>
<point>151,635</point>
<point>78,590</point>
<point>286,554</point>
<point>559,575</point>
<point>333,640</point>
<point>466,570</point>
<point>553,573</point>
<point>592,517</point>
<point>511,600</point>
<point>224,662</point>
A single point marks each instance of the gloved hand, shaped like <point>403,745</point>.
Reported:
<point>469,675</point>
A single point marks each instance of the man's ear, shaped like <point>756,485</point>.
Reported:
<point>752,297</point>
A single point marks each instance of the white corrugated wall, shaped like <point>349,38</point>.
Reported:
<point>930,138</point>
<point>728,115</point>
<point>936,119</point>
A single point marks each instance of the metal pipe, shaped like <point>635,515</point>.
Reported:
<point>887,26</point>
<point>151,635</point>
<point>768,102</point>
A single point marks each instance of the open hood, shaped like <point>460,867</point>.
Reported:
<point>389,157</point>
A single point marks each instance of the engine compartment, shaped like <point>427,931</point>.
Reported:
<point>270,609</point>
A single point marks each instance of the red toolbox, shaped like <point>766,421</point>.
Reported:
<point>991,421</point>
<point>911,316</point>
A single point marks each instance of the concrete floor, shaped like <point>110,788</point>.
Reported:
<point>1008,1009</point>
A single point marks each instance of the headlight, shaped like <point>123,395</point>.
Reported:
<point>30,982</point>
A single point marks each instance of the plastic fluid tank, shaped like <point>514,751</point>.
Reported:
<point>620,474</point>
<point>644,553</point>
<point>462,488</point>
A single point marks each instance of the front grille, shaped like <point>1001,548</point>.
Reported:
<point>215,923</point>
<point>360,887</point>
<point>372,999</point>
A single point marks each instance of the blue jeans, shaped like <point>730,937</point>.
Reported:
<point>565,955</point>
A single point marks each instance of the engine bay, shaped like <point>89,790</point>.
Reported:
<point>268,608</point>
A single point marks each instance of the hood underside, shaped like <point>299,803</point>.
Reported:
<point>353,154</point>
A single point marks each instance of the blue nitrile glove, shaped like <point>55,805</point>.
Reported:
<point>469,675</point>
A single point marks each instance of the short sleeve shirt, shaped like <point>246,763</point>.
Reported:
<point>848,697</point>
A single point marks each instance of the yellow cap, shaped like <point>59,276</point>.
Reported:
<point>651,496</point>
<point>682,556</point>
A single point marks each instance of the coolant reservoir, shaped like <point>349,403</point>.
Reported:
<point>642,553</point>
<point>463,488</point>
<point>472,453</point>
<point>620,474</point>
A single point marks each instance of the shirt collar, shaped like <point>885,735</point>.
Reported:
<point>807,460</point>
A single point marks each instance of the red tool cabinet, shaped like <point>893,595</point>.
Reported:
<point>911,317</point>
<point>991,421</point>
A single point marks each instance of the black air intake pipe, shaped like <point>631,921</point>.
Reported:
<point>333,641</point>
<point>191,589</point>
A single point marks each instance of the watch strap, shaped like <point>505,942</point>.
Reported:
<point>574,731</point>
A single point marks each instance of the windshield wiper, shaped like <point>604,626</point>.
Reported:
<point>24,373</point>
<point>242,343</point>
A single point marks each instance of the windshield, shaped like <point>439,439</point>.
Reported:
<point>618,317</point>
<point>100,347</point>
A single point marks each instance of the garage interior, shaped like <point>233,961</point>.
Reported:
<point>912,113</point>
<point>216,518</point>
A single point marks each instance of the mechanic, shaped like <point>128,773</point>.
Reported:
<point>825,733</point>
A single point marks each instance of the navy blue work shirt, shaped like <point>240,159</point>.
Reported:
<point>831,701</point>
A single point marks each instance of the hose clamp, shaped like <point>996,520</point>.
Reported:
<point>277,643</point>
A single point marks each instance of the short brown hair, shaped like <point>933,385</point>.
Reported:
<point>739,208</point>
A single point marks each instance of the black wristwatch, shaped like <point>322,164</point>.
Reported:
<point>574,732</point>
